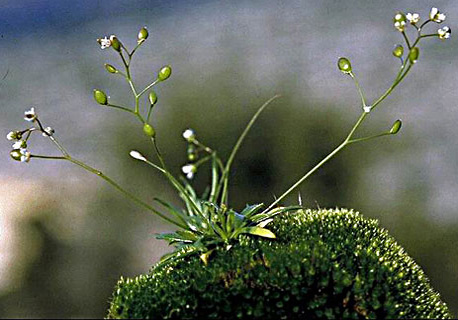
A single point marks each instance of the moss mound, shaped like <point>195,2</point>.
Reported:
<point>323,264</point>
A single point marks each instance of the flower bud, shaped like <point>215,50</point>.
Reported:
<point>152,97</point>
<point>192,153</point>
<point>110,68</point>
<point>413,55</point>
<point>115,43</point>
<point>344,65</point>
<point>137,155</point>
<point>164,73</point>
<point>100,97</point>
<point>142,34</point>
<point>398,51</point>
<point>149,130</point>
<point>396,127</point>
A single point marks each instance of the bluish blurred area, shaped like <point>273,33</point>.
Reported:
<point>66,236</point>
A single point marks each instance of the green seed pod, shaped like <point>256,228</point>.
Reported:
<point>164,73</point>
<point>413,55</point>
<point>16,155</point>
<point>115,43</point>
<point>152,97</point>
<point>142,34</point>
<point>149,130</point>
<point>396,127</point>
<point>100,97</point>
<point>398,51</point>
<point>110,68</point>
<point>344,65</point>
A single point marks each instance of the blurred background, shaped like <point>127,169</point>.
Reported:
<point>66,236</point>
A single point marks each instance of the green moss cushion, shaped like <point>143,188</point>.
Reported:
<point>323,264</point>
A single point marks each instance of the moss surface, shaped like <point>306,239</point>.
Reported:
<point>323,264</point>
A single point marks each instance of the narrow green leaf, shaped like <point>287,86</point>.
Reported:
<point>251,209</point>
<point>230,221</point>
<point>272,213</point>
<point>215,178</point>
<point>172,238</point>
<point>186,234</point>
<point>263,223</point>
<point>258,231</point>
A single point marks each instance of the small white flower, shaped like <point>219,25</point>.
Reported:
<point>20,155</point>
<point>19,144</point>
<point>189,170</point>
<point>400,21</point>
<point>189,135</point>
<point>25,155</point>
<point>48,132</point>
<point>30,115</point>
<point>444,33</point>
<point>105,42</point>
<point>14,135</point>
<point>436,16</point>
<point>137,155</point>
<point>413,17</point>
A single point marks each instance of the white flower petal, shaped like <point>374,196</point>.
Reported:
<point>189,135</point>
<point>11,135</point>
<point>137,155</point>
<point>433,13</point>
<point>104,43</point>
<point>25,155</point>
<point>18,144</point>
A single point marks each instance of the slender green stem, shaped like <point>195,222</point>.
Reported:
<point>406,39</point>
<point>122,190</point>
<point>394,85</point>
<point>202,161</point>
<point>294,186</point>
<point>429,35</point>
<point>149,113</point>
<point>224,178</point>
<point>175,183</point>
<point>59,146</point>
<point>120,107</point>
<point>47,157</point>
<point>126,65</point>
<point>425,23</point>
<point>158,153</point>
<point>148,87</point>
<point>368,138</point>
<point>202,146</point>
<point>154,166</point>
<point>135,49</point>
<point>360,90</point>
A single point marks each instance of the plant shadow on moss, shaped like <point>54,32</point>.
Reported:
<point>325,263</point>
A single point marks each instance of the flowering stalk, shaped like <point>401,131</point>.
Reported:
<point>345,66</point>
